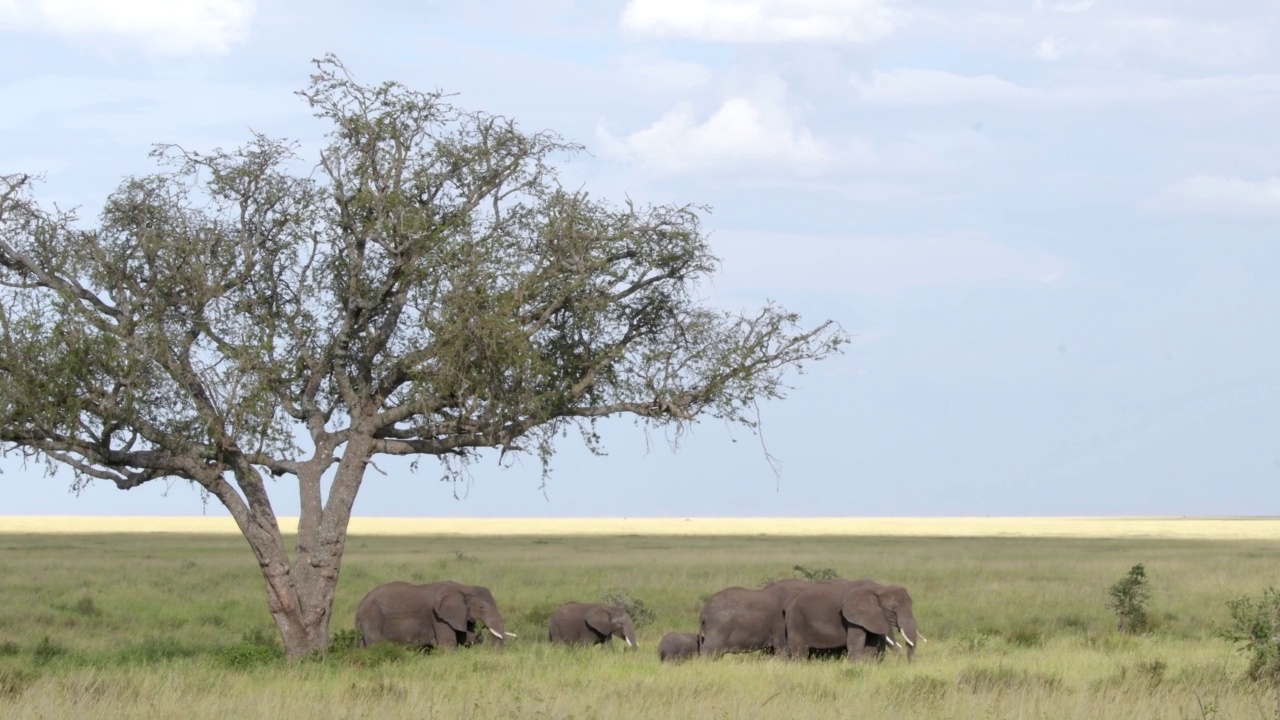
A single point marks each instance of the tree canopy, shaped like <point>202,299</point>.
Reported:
<point>425,287</point>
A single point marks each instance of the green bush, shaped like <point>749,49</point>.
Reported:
<point>1128,599</point>
<point>640,613</point>
<point>1255,628</point>
<point>257,647</point>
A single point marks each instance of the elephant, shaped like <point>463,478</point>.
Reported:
<point>576,623</point>
<point>739,619</point>
<point>859,617</point>
<point>435,615</point>
<point>678,646</point>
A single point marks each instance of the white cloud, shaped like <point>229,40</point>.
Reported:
<point>877,265</point>
<point>763,21</point>
<point>1219,195</point>
<point>163,27</point>
<point>751,130</point>
<point>935,88</point>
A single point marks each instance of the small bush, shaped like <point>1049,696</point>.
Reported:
<point>539,615</point>
<point>47,650</point>
<point>256,648</point>
<point>86,607</point>
<point>816,573</point>
<point>9,648</point>
<point>1128,599</point>
<point>344,641</point>
<point>1255,629</point>
<point>640,613</point>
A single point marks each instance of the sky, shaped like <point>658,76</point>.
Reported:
<point>1052,228</point>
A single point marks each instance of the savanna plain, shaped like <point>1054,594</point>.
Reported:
<point>174,624</point>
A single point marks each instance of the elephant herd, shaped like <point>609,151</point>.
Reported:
<point>791,618</point>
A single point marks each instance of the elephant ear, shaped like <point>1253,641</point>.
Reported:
<point>598,619</point>
<point>862,608</point>
<point>452,609</point>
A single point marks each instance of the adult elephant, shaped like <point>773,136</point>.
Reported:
<point>858,617</point>
<point>435,615</point>
<point>576,623</point>
<point>739,619</point>
<point>678,646</point>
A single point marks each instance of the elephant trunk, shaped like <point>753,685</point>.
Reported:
<point>907,624</point>
<point>493,621</point>
<point>629,634</point>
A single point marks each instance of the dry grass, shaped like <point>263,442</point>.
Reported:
<point>1011,527</point>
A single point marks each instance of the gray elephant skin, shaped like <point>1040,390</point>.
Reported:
<point>858,617</point>
<point>576,623</point>
<point>739,619</point>
<point>678,646</point>
<point>435,615</point>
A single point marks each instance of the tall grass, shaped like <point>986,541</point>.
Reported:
<point>175,625</point>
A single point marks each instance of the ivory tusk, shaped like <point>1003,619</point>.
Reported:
<point>922,638</point>
<point>496,633</point>
<point>890,641</point>
<point>629,643</point>
<point>511,635</point>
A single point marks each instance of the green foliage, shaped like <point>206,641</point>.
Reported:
<point>1128,599</point>
<point>539,615</point>
<point>86,607</point>
<point>256,648</point>
<point>343,641</point>
<point>641,614</point>
<point>816,573</point>
<point>1255,629</point>
<point>47,651</point>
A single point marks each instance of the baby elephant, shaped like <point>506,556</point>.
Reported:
<point>678,646</point>
<point>578,623</point>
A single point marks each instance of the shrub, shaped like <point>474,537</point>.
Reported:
<point>1255,628</point>
<point>256,648</point>
<point>640,613</point>
<point>1128,599</point>
<point>86,607</point>
<point>816,573</point>
<point>47,650</point>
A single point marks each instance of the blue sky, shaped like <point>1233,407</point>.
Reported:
<point>1053,227</point>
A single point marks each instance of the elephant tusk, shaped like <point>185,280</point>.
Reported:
<point>909,643</point>
<point>922,638</point>
<point>629,643</point>
<point>890,641</point>
<point>511,635</point>
<point>496,633</point>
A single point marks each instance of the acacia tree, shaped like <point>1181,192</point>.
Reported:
<point>428,288</point>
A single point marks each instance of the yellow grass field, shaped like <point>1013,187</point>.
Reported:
<point>1186,528</point>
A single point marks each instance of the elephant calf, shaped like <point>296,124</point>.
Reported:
<point>678,646</point>
<point>578,623</point>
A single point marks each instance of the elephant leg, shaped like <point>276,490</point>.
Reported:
<point>855,641</point>
<point>446,637</point>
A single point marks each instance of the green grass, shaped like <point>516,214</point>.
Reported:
<point>168,625</point>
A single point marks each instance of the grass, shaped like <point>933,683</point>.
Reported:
<point>149,624</point>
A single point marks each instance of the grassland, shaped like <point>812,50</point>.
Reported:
<point>166,624</point>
